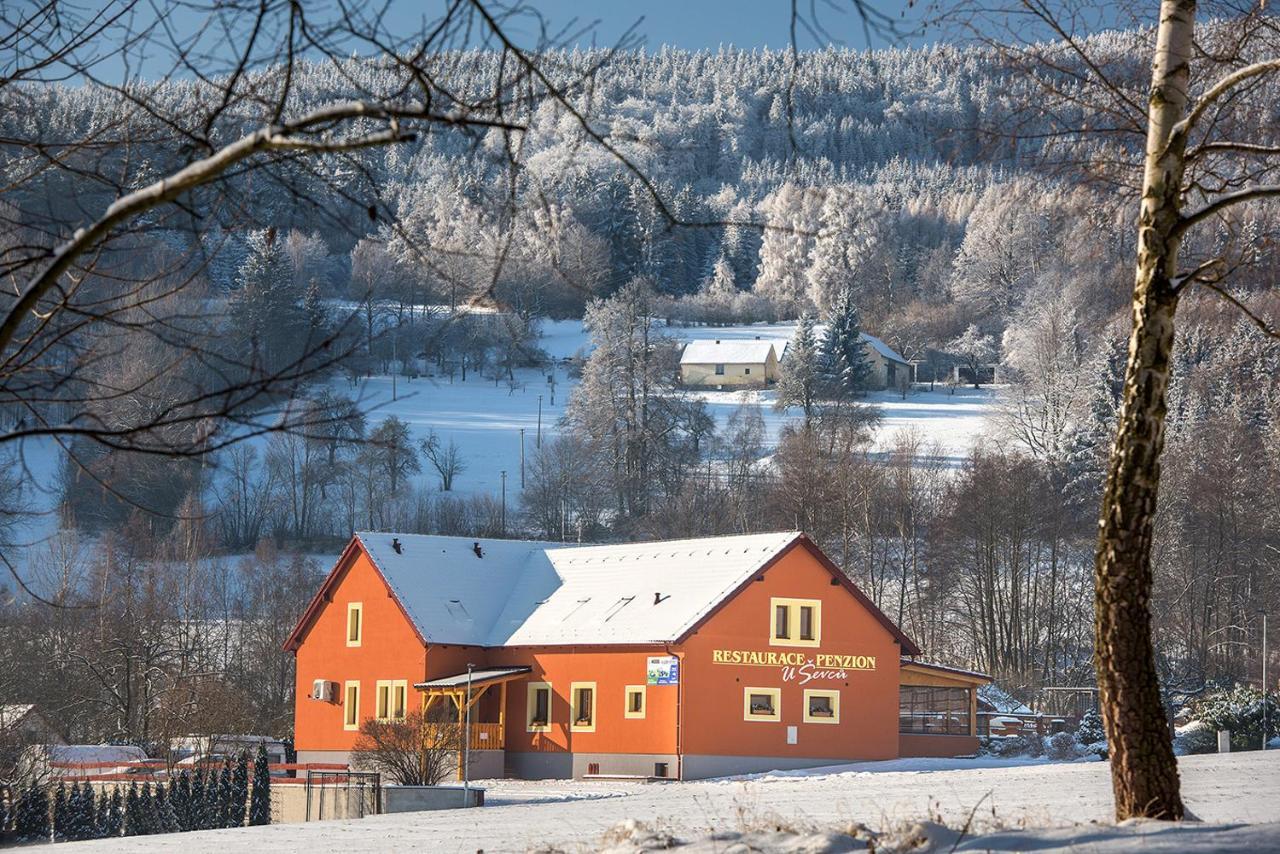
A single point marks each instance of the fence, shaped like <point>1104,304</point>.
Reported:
<point>334,794</point>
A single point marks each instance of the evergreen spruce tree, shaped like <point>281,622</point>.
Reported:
<point>844,365</point>
<point>132,812</point>
<point>196,808</point>
<point>146,810</point>
<point>114,826</point>
<point>798,377</point>
<point>260,796</point>
<point>222,814</point>
<point>166,817</point>
<point>89,808</point>
<point>102,815</point>
<point>239,791</point>
<point>212,799</point>
<point>180,796</point>
<point>31,819</point>
<point>60,813</point>
<point>71,830</point>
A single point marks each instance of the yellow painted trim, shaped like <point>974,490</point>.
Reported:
<point>351,707</point>
<point>574,687</point>
<point>835,706</point>
<point>529,707</point>
<point>626,701</point>
<point>382,700</point>
<point>776,693</point>
<point>358,609</point>
<point>401,687</point>
<point>793,622</point>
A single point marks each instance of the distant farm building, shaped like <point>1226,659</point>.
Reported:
<point>888,369</point>
<point>729,362</point>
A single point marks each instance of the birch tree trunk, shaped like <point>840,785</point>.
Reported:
<point>1144,773</point>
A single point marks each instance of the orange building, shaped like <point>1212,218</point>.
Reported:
<point>684,658</point>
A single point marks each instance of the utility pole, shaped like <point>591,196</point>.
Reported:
<point>522,459</point>
<point>466,745</point>
<point>1265,729</point>
<point>504,502</point>
<point>538,439</point>
<point>394,336</point>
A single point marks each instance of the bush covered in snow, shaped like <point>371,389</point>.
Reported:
<point>1014,745</point>
<point>1195,737</point>
<point>1090,735</point>
<point>1062,747</point>
<point>1239,710</point>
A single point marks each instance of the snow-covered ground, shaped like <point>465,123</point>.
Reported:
<point>1022,797</point>
<point>485,419</point>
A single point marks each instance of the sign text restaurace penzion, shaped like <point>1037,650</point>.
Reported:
<point>796,666</point>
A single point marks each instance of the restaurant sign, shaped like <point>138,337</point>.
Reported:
<point>797,666</point>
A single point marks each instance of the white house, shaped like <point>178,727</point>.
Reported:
<point>729,362</point>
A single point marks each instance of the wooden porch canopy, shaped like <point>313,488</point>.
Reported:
<point>481,679</point>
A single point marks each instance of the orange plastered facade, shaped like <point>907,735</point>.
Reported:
<point>854,655</point>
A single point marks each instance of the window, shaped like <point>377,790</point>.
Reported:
<point>821,707</point>
<point>796,622</point>
<point>539,706</point>
<point>634,707</point>
<point>583,697</point>
<point>399,698</point>
<point>351,706</point>
<point>390,699</point>
<point>719,370</point>
<point>382,706</point>
<point>355,623</point>
<point>762,704</point>
<point>746,371</point>
<point>926,710</point>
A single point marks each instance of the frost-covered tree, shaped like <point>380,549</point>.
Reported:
<point>799,379</point>
<point>974,351</point>
<point>267,310</point>
<point>842,361</point>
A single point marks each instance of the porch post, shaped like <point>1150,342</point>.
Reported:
<point>502,716</point>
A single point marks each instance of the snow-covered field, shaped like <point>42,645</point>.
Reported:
<point>1024,798</point>
<point>485,419</point>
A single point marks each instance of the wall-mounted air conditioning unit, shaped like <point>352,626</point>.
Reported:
<point>324,690</point>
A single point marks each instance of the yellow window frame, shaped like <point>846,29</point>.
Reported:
<point>531,706</point>
<point>574,688</point>
<point>775,693</point>
<point>356,608</point>
<point>399,699</point>
<point>627,693</point>
<point>834,696</point>
<point>351,705</point>
<point>793,609</point>
<point>382,700</point>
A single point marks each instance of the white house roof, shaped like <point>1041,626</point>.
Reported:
<point>882,348</point>
<point>727,351</point>
<point>523,593</point>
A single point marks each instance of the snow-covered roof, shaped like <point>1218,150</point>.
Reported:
<point>90,753</point>
<point>882,348</point>
<point>708,351</point>
<point>12,713</point>
<point>526,593</point>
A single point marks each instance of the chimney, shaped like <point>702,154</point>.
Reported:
<point>395,544</point>
<point>475,547</point>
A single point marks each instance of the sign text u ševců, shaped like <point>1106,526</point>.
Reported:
<point>797,666</point>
